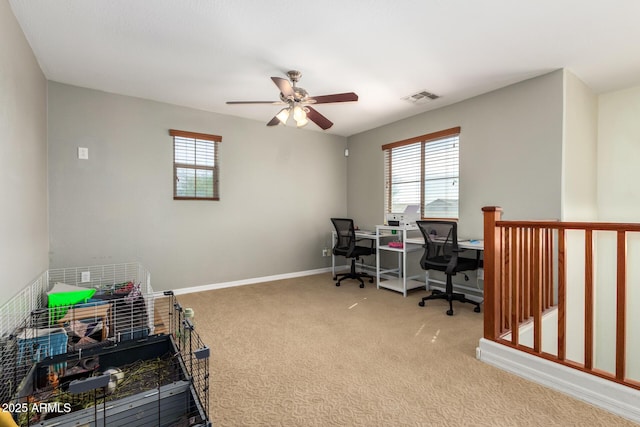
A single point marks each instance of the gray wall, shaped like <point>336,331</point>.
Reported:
<point>117,206</point>
<point>24,236</point>
<point>580,155</point>
<point>579,198</point>
<point>279,187</point>
<point>510,154</point>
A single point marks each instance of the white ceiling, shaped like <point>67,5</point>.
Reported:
<point>202,53</point>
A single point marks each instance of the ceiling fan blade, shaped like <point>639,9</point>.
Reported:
<point>256,102</point>
<point>317,118</point>
<point>274,122</point>
<point>338,97</point>
<point>284,85</point>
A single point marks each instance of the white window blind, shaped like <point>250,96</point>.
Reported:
<point>423,171</point>
<point>195,166</point>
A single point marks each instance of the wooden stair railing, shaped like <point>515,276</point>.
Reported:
<point>525,276</point>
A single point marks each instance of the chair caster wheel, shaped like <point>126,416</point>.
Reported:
<point>477,309</point>
<point>371,280</point>
<point>421,303</point>
<point>338,284</point>
<point>449,312</point>
<point>362,285</point>
<point>335,277</point>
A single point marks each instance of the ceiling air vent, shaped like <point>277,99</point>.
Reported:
<point>421,97</point>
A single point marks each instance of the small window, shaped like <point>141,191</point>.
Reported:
<point>195,166</point>
<point>423,171</point>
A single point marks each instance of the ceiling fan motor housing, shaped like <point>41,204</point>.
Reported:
<point>294,75</point>
<point>299,95</point>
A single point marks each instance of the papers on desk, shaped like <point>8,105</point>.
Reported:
<point>472,241</point>
<point>471,244</point>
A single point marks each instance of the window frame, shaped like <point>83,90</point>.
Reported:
<point>422,140</point>
<point>195,136</point>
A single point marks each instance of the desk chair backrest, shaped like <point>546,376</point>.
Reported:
<point>346,236</point>
<point>440,243</point>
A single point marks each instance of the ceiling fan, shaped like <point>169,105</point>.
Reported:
<point>298,102</point>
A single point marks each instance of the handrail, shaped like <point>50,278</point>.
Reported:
<point>525,275</point>
<point>595,226</point>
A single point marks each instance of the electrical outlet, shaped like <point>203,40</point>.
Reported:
<point>85,276</point>
<point>325,252</point>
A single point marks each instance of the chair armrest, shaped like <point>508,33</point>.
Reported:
<point>372,242</point>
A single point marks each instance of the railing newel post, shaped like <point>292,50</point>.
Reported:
<point>492,256</point>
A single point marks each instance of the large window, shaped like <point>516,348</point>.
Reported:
<point>423,172</point>
<point>195,166</point>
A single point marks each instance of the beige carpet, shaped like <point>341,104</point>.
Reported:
<point>303,352</point>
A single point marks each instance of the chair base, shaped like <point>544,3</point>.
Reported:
<point>450,296</point>
<point>353,274</point>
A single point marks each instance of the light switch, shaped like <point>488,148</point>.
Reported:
<point>83,153</point>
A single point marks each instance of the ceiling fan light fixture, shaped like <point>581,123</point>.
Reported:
<point>302,122</point>
<point>283,115</point>
<point>300,116</point>
<point>299,113</point>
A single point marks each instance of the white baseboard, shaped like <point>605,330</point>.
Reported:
<point>608,395</point>
<point>251,281</point>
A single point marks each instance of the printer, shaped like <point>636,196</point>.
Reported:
<point>407,218</point>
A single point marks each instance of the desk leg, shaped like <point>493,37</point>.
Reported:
<point>404,273</point>
<point>333,257</point>
<point>333,265</point>
<point>377,259</point>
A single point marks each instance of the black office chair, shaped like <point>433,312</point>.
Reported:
<point>346,246</point>
<point>441,254</point>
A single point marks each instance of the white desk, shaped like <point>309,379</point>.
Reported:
<point>396,278</point>
<point>360,234</point>
<point>411,237</point>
